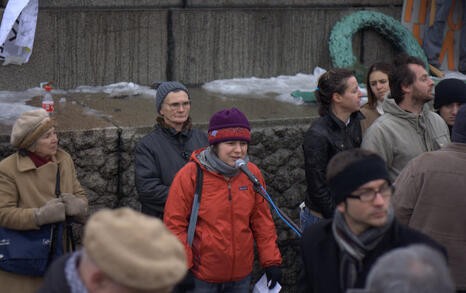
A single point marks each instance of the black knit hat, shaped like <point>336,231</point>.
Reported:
<point>459,128</point>
<point>164,89</point>
<point>449,91</point>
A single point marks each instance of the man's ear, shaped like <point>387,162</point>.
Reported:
<point>406,88</point>
<point>97,281</point>
<point>341,207</point>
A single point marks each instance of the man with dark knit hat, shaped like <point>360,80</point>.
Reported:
<point>430,197</point>
<point>338,254</point>
<point>450,94</point>
<point>124,252</point>
<point>161,153</point>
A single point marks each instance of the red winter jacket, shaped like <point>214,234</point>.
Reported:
<point>231,216</point>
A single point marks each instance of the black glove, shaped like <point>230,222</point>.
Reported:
<point>274,275</point>
<point>186,284</point>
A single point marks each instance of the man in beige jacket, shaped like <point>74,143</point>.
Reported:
<point>408,127</point>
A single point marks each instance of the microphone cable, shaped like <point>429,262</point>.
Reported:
<point>291,225</point>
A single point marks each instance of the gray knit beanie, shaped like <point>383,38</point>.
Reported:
<point>164,89</point>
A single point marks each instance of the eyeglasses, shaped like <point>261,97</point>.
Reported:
<point>176,106</point>
<point>369,195</point>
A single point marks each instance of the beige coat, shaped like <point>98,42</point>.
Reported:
<point>24,187</point>
<point>430,197</point>
<point>371,115</point>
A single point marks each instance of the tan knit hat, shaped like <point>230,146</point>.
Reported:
<point>29,127</point>
<point>135,250</point>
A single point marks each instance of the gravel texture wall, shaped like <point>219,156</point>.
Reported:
<point>104,163</point>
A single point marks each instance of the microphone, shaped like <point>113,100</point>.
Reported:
<point>241,164</point>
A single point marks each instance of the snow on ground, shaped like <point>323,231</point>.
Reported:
<point>281,86</point>
<point>13,103</point>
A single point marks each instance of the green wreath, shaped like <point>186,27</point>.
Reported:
<point>340,42</point>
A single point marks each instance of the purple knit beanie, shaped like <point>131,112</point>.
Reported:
<point>230,124</point>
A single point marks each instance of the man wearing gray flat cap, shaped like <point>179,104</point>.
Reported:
<point>161,153</point>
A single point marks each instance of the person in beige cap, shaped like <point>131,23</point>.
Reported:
<point>124,252</point>
<point>28,186</point>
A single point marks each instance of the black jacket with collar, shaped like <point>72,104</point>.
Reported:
<point>321,255</point>
<point>326,137</point>
<point>157,158</point>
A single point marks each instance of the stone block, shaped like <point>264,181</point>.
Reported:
<point>214,44</point>
<point>109,3</point>
<point>375,48</point>
<point>93,47</point>
<point>288,3</point>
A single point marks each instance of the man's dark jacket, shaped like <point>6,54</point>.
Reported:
<point>326,137</point>
<point>158,157</point>
<point>55,280</point>
<point>321,255</point>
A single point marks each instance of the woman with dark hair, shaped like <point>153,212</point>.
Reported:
<point>378,87</point>
<point>29,195</point>
<point>232,215</point>
<point>337,129</point>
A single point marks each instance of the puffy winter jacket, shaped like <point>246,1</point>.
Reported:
<point>158,156</point>
<point>231,216</point>
<point>326,137</point>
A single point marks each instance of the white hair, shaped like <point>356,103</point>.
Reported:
<point>413,269</point>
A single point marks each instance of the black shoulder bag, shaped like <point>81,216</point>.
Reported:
<point>30,252</point>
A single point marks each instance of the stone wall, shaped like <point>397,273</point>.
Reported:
<point>104,163</point>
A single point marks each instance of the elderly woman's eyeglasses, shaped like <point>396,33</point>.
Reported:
<point>176,106</point>
<point>369,194</point>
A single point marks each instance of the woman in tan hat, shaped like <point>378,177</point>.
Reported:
<point>28,185</point>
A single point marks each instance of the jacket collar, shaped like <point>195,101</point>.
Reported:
<point>390,106</point>
<point>24,163</point>
<point>355,116</point>
<point>171,131</point>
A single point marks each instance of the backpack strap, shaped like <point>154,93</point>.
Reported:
<point>196,204</point>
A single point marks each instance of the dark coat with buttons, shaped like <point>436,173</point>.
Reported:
<point>327,136</point>
<point>157,158</point>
